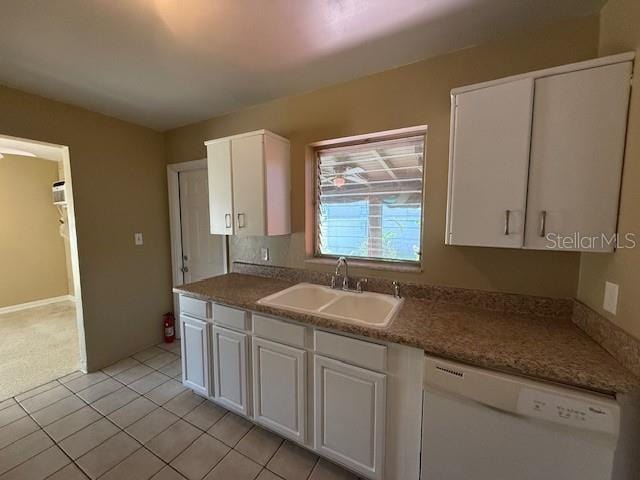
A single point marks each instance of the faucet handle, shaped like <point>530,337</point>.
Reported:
<point>360,284</point>
<point>396,289</point>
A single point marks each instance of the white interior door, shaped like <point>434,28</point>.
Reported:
<point>577,149</point>
<point>203,254</point>
<point>491,131</point>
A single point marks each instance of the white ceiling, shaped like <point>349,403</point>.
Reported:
<point>166,63</point>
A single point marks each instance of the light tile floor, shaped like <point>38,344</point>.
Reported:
<point>134,420</point>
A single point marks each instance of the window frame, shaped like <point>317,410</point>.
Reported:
<point>380,263</point>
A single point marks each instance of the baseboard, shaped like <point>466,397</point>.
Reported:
<point>36,303</point>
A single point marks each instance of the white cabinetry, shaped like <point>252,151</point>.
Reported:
<point>230,369</point>
<point>220,187</point>
<point>483,168</point>
<point>279,388</point>
<point>195,354</point>
<point>579,126</point>
<point>538,156</point>
<point>249,184</point>
<point>350,406</point>
<point>351,400</point>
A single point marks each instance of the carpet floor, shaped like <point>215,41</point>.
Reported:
<point>37,345</point>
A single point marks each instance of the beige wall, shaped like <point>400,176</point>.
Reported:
<point>411,95</point>
<point>67,243</point>
<point>32,251</point>
<point>119,180</point>
<point>620,32</point>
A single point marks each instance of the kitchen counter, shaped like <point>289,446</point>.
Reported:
<point>547,348</point>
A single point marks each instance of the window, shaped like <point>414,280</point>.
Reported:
<point>369,199</point>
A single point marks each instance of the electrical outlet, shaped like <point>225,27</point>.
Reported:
<point>137,238</point>
<point>610,303</point>
<point>264,253</point>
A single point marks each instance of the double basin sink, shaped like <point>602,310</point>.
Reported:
<point>365,308</point>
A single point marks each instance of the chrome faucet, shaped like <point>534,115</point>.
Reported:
<point>345,279</point>
<point>396,289</point>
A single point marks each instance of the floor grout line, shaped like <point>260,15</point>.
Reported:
<point>57,383</point>
<point>131,454</point>
<point>157,406</point>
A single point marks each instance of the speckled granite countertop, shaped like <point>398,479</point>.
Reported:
<point>547,348</point>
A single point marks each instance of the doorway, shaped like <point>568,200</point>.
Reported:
<point>41,321</point>
<point>195,253</point>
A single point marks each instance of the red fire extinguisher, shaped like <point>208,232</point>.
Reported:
<point>169,327</point>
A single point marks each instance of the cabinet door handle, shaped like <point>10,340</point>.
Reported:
<point>241,223</point>
<point>543,223</point>
<point>507,215</point>
<point>227,220</point>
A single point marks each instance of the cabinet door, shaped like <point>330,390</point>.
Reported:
<point>279,388</point>
<point>349,410</point>
<point>489,158</point>
<point>247,155</point>
<point>220,187</point>
<point>195,354</point>
<point>577,149</point>
<point>230,369</point>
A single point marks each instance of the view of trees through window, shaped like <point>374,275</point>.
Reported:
<point>370,200</point>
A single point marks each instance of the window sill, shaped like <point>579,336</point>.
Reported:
<point>368,264</point>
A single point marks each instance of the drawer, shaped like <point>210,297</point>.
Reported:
<point>231,317</point>
<point>279,331</point>
<point>195,307</point>
<point>356,352</point>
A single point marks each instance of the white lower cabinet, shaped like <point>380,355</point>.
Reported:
<point>349,415</point>
<point>230,363</point>
<point>279,388</point>
<point>195,356</point>
<point>323,390</point>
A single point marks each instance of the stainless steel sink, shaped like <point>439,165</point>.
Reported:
<point>365,308</point>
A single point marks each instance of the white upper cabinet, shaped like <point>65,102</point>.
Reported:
<point>577,148</point>
<point>220,189</point>
<point>249,184</point>
<point>536,159</point>
<point>488,178</point>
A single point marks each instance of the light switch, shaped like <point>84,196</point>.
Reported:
<point>610,303</point>
<point>264,252</point>
<point>138,238</point>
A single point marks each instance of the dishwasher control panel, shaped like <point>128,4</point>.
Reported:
<point>579,412</point>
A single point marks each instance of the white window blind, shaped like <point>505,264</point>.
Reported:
<point>369,200</point>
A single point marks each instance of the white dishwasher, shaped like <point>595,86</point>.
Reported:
<point>483,425</point>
